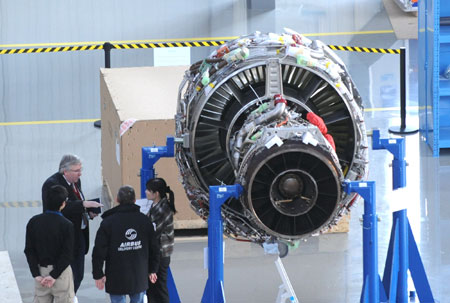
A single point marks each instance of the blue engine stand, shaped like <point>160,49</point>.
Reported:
<point>214,292</point>
<point>403,253</point>
<point>396,146</point>
<point>151,155</point>
<point>218,195</point>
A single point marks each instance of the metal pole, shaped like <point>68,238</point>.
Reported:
<point>215,250</point>
<point>107,48</point>
<point>402,129</point>
<point>372,290</point>
<point>287,291</point>
<point>214,291</point>
<point>402,292</point>
<point>214,286</point>
<point>402,88</point>
<point>370,240</point>
<point>147,170</point>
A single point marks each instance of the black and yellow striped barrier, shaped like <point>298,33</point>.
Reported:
<point>169,44</point>
<point>113,46</point>
<point>199,43</point>
<point>49,49</point>
<point>360,49</point>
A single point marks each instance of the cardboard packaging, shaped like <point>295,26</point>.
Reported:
<point>138,106</point>
<point>143,101</point>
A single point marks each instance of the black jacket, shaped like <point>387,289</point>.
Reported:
<point>74,208</point>
<point>126,242</point>
<point>49,241</point>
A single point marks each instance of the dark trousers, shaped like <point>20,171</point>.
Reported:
<point>78,264</point>
<point>158,292</point>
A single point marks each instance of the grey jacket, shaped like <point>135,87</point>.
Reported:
<point>162,217</point>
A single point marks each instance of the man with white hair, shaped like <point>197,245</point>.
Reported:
<point>68,176</point>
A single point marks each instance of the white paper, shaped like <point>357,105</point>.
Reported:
<point>145,205</point>
<point>118,150</point>
<point>171,56</point>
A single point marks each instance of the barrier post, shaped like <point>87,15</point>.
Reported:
<point>107,48</point>
<point>402,129</point>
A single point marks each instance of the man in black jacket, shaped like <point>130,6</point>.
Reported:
<point>49,247</point>
<point>68,176</point>
<point>126,242</point>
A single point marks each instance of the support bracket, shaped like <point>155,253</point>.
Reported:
<point>396,146</point>
<point>151,155</point>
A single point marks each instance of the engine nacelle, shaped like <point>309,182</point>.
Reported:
<point>280,115</point>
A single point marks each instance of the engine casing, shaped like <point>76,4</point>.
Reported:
<point>280,115</point>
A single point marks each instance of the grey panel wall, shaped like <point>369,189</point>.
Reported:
<point>65,85</point>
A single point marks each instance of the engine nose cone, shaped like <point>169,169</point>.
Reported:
<point>293,192</point>
<point>290,186</point>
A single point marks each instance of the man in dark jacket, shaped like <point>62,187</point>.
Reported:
<point>49,247</point>
<point>126,242</point>
<point>68,176</point>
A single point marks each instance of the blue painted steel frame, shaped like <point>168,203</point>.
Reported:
<point>214,291</point>
<point>403,254</point>
<point>372,290</point>
<point>396,146</point>
<point>151,155</point>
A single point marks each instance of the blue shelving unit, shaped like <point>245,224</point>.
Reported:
<point>434,58</point>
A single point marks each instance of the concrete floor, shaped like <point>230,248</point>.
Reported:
<point>327,268</point>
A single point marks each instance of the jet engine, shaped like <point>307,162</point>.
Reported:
<point>280,115</point>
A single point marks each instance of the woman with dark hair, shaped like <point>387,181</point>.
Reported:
<point>161,215</point>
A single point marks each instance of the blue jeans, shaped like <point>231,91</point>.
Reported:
<point>135,298</point>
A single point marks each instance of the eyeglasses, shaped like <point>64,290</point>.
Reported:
<point>76,170</point>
